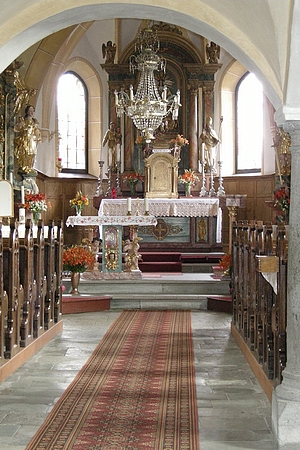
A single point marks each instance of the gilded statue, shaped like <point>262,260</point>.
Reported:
<point>212,53</point>
<point>27,137</point>
<point>210,139</point>
<point>282,143</point>
<point>109,52</point>
<point>23,93</point>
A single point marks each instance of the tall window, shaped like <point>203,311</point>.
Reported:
<point>249,124</point>
<point>72,122</point>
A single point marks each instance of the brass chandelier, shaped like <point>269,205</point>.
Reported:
<point>147,108</point>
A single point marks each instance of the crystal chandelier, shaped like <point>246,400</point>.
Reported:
<point>147,108</point>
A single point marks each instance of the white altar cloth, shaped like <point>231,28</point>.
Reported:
<point>159,207</point>
<point>111,220</point>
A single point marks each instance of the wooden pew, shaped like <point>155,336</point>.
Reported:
<point>259,293</point>
<point>14,291</point>
<point>3,302</point>
<point>27,280</point>
<point>51,278</point>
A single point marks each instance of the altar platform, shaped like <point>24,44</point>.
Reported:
<point>154,290</point>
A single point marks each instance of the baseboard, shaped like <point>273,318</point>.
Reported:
<point>255,366</point>
<point>20,358</point>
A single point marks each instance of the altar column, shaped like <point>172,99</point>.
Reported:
<point>286,397</point>
<point>129,144</point>
<point>193,121</point>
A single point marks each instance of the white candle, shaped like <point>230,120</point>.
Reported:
<point>202,152</point>
<point>129,204</point>
<point>22,215</point>
<point>146,204</point>
<point>22,195</point>
<point>131,92</point>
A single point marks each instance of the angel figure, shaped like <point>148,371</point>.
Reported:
<point>132,255</point>
<point>212,52</point>
<point>23,93</point>
<point>109,52</point>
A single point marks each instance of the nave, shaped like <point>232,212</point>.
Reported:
<point>234,412</point>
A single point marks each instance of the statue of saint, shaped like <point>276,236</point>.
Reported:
<point>111,139</point>
<point>210,139</point>
<point>27,138</point>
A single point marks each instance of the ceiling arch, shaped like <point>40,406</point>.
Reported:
<point>22,28</point>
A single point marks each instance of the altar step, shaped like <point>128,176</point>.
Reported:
<point>219,303</point>
<point>170,291</point>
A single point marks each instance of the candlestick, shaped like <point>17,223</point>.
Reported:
<point>22,195</point>
<point>129,206</point>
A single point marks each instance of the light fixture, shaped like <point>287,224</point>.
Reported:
<point>147,108</point>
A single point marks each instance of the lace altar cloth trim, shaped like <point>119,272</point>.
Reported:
<point>111,220</point>
<point>192,207</point>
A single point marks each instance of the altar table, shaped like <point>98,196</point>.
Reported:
<point>182,207</point>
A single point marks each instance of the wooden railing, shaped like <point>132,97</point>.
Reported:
<point>259,279</point>
<point>30,284</point>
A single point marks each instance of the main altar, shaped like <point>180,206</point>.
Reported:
<point>187,224</point>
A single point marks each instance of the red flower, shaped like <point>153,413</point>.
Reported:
<point>77,259</point>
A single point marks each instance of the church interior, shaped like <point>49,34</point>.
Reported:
<point>124,186</point>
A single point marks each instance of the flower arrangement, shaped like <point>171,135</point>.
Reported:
<point>79,201</point>
<point>226,263</point>
<point>188,177</point>
<point>36,203</point>
<point>77,259</point>
<point>179,141</point>
<point>282,199</point>
<point>132,179</point>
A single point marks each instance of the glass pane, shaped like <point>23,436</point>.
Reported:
<point>249,124</point>
<point>71,110</point>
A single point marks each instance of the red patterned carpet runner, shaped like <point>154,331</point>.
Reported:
<point>136,391</point>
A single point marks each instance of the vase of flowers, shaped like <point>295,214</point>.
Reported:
<point>179,141</point>
<point>225,264</point>
<point>36,204</point>
<point>282,200</point>
<point>79,202</point>
<point>132,179</point>
<point>77,259</point>
<point>188,179</point>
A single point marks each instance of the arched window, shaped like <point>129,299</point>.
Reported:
<point>72,122</point>
<point>249,124</point>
